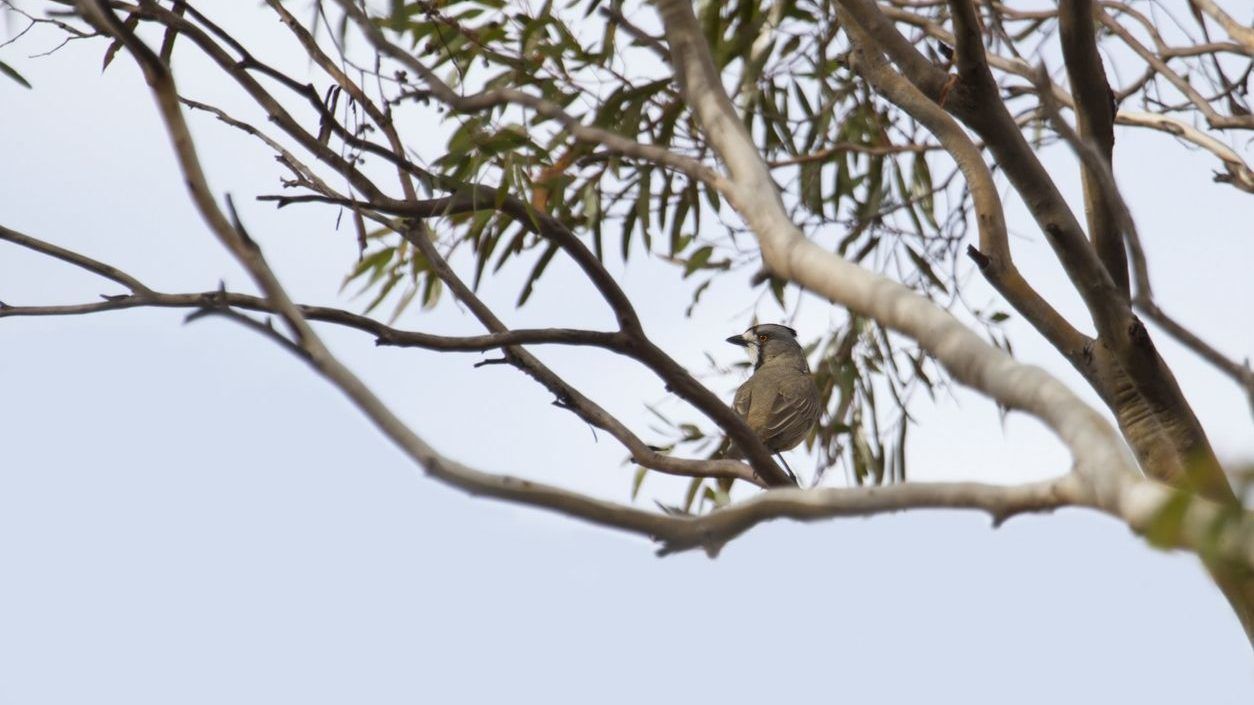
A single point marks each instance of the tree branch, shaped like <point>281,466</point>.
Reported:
<point>995,261</point>
<point>1094,107</point>
<point>78,260</point>
<point>1213,117</point>
<point>1125,368</point>
<point>976,100</point>
<point>1132,348</point>
<point>1239,32</point>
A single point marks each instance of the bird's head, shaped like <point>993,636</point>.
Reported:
<point>768,341</point>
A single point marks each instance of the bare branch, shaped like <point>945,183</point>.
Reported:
<point>285,156</point>
<point>1240,373</point>
<point>77,259</point>
<point>1239,32</point>
<point>1239,174</point>
<point>1213,117</point>
<point>306,339</point>
<point>1131,346</point>
<point>384,121</point>
<point>262,327</point>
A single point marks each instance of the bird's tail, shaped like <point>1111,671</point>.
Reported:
<point>731,451</point>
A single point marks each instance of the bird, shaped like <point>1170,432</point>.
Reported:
<point>780,400</point>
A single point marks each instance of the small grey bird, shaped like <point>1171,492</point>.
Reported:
<point>780,401</point>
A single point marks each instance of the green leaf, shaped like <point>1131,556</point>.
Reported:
<point>712,197</point>
<point>629,224</point>
<point>536,271</point>
<point>637,481</point>
<point>693,487</point>
<point>591,201</point>
<point>384,290</point>
<point>664,197</point>
<point>406,299</point>
<point>431,293</point>
<point>131,22</point>
<point>375,262</point>
<point>906,195</point>
<point>921,182</point>
<point>514,247</point>
<point>696,297</point>
<point>811,178</point>
<point>698,260</point>
<point>868,465</point>
<point>921,263</point>
<point>677,238</point>
<point>789,47</point>
<point>691,432</point>
<point>861,457</point>
<point>917,362</point>
<point>899,453</point>
<point>778,286</point>
<point>13,74</point>
<point>643,203</point>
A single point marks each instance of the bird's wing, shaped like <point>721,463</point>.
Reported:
<point>743,398</point>
<point>793,410</point>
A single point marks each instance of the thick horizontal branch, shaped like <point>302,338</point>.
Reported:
<point>1000,501</point>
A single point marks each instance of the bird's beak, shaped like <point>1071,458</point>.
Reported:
<point>738,340</point>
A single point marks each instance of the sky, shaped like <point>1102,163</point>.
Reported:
<point>187,514</point>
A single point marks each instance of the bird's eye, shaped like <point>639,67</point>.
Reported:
<point>761,338</point>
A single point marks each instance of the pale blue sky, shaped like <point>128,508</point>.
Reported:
<point>188,515</point>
